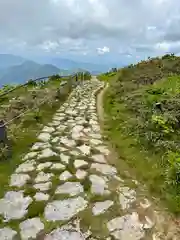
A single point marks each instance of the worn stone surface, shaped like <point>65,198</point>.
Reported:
<point>30,228</point>
<point>27,166</point>
<point>101,207</point>
<point>99,185</point>
<point>126,197</point>
<point>19,180</point>
<point>99,158</point>
<point>104,168</point>
<point>43,166</point>
<point>61,149</point>
<point>126,227</point>
<point>48,129</point>
<point>64,235</point>
<point>104,150</point>
<point>71,188</point>
<point>43,186</point>
<point>7,233</point>
<point>81,174</point>
<point>85,149</point>
<point>65,176</point>
<point>43,177</point>
<point>44,137</point>
<point>67,142</point>
<point>80,163</point>
<point>64,209</point>
<point>64,158</point>
<point>58,166</point>
<point>30,155</point>
<point>40,145</point>
<point>41,196</point>
<point>14,205</point>
<point>95,141</point>
<point>47,153</point>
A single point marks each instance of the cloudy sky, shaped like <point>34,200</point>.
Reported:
<point>96,30</point>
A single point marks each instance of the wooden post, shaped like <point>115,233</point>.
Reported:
<point>3,133</point>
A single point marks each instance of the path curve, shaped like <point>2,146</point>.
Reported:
<point>66,189</point>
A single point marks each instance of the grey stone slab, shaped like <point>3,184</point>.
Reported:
<point>43,186</point>
<point>64,235</point>
<point>65,176</point>
<point>62,210</point>
<point>30,228</point>
<point>58,166</point>
<point>27,166</point>
<point>126,197</point>
<point>40,145</point>
<point>43,177</point>
<point>7,233</point>
<point>30,155</point>
<point>64,158</point>
<point>85,149</point>
<point>104,169</point>
<point>47,153</point>
<point>103,149</point>
<point>101,207</point>
<point>43,166</point>
<point>127,227</point>
<point>81,174</point>
<point>14,205</point>
<point>99,185</point>
<point>71,188</point>
<point>68,142</point>
<point>19,180</point>
<point>99,158</point>
<point>44,137</point>
<point>39,196</point>
<point>48,129</point>
<point>79,163</point>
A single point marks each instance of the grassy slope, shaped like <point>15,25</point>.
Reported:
<point>147,135</point>
<point>23,131</point>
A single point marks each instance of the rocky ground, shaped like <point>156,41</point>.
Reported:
<point>66,189</point>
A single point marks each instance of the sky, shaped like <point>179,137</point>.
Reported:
<point>118,31</point>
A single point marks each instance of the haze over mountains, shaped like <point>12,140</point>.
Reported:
<point>16,69</point>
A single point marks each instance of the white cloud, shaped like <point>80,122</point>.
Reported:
<point>103,50</point>
<point>49,45</point>
<point>163,46</point>
<point>136,27</point>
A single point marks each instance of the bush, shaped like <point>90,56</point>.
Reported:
<point>144,100</point>
<point>173,171</point>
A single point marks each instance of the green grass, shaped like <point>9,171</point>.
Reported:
<point>106,76</point>
<point>145,138</point>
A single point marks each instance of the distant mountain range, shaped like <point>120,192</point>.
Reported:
<point>16,69</point>
<point>73,65</point>
<point>25,71</point>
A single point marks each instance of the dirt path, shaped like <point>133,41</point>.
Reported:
<point>67,186</point>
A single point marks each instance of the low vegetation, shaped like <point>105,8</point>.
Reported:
<point>142,106</point>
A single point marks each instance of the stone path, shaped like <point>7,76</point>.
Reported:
<point>66,189</point>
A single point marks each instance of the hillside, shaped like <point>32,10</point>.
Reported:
<point>143,123</point>
<point>26,71</point>
<point>73,65</point>
<point>15,69</point>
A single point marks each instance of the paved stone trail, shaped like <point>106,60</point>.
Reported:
<point>66,189</point>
